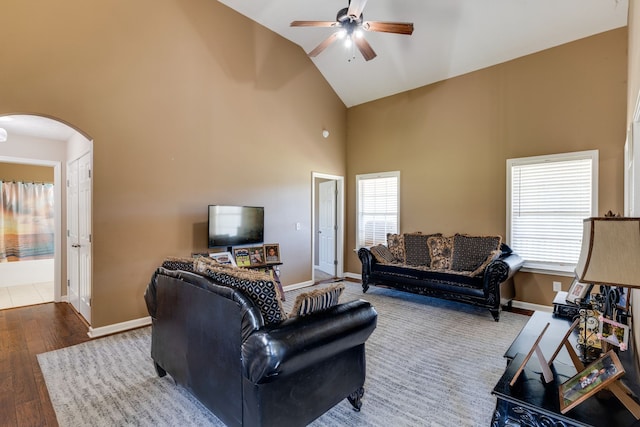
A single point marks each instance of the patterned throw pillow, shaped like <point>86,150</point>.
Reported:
<point>395,243</point>
<point>416,249</point>
<point>316,300</point>
<point>178,263</point>
<point>257,286</point>
<point>382,254</point>
<point>440,249</point>
<point>473,253</point>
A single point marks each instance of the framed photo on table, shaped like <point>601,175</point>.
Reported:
<point>272,252</point>
<point>223,258</point>
<point>589,381</point>
<point>614,333</point>
<point>578,291</point>
<point>242,257</point>
<point>256,255</point>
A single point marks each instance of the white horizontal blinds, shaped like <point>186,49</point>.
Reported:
<point>549,201</point>
<point>377,207</point>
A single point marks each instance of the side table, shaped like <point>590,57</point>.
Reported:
<point>531,402</point>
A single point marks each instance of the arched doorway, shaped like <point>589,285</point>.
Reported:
<point>46,141</point>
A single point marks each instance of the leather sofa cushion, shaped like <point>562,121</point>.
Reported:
<point>473,253</point>
<point>316,300</point>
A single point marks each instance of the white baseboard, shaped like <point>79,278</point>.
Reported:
<point>530,306</point>
<point>118,327</point>
<point>300,285</point>
<point>353,276</point>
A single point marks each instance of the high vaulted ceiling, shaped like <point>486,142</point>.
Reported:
<point>451,37</point>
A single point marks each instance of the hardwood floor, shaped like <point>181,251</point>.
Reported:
<point>24,333</point>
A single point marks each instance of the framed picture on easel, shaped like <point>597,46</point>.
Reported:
<point>589,381</point>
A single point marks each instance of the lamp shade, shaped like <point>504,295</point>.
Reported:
<point>610,253</point>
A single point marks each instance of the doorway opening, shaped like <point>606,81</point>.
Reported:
<point>40,141</point>
<point>327,229</point>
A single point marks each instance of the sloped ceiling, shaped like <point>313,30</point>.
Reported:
<point>451,37</point>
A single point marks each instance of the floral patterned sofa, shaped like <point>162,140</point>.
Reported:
<point>471,269</point>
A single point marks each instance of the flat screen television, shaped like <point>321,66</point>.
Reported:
<point>235,225</point>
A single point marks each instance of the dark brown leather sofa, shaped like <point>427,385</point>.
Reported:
<point>213,341</point>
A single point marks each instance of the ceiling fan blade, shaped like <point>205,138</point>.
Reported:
<point>356,7</point>
<point>322,46</point>
<point>365,48</point>
<point>313,24</point>
<point>389,27</point>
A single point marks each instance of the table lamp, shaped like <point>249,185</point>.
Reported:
<point>610,257</point>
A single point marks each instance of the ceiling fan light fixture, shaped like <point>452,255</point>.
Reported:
<point>358,33</point>
<point>341,33</point>
<point>348,42</point>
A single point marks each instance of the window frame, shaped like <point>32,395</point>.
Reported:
<point>371,176</point>
<point>565,269</point>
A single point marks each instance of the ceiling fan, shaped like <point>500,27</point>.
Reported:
<point>350,23</point>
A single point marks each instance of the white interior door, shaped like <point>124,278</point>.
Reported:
<point>327,227</point>
<point>79,235</point>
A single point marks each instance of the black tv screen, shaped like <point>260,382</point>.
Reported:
<point>235,225</point>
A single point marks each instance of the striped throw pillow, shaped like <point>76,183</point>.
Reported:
<point>316,300</point>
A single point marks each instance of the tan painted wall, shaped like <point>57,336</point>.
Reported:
<point>26,173</point>
<point>188,103</point>
<point>450,140</point>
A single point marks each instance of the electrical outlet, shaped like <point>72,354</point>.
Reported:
<point>557,286</point>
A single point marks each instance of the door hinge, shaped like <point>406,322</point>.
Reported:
<point>89,173</point>
<point>335,262</point>
<point>89,238</point>
<point>68,184</point>
<point>68,283</point>
<point>68,233</point>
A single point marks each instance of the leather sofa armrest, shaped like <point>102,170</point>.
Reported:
<point>514,262</point>
<point>285,348</point>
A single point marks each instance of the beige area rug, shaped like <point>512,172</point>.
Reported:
<point>429,363</point>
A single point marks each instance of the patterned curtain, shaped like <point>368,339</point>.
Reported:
<point>26,221</point>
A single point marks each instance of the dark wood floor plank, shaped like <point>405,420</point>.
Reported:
<point>26,332</point>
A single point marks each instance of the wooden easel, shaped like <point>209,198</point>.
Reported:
<point>546,371</point>
<point>618,389</point>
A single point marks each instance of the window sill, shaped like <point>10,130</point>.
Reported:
<point>555,270</point>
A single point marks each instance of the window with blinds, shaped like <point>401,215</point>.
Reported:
<point>378,207</point>
<point>548,199</point>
